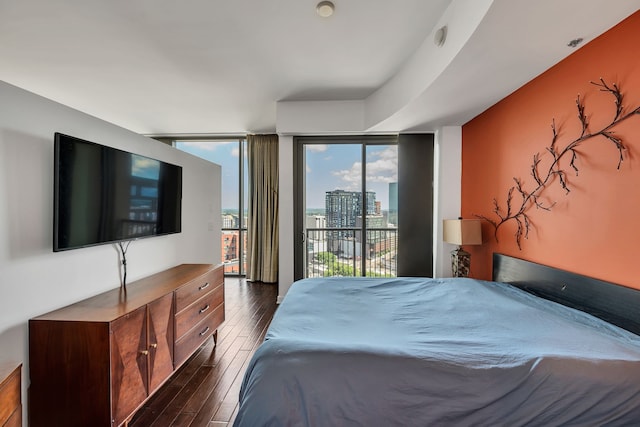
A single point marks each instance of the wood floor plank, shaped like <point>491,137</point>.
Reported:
<point>204,391</point>
<point>183,420</point>
<point>234,415</point>
<point>167,416</point>
<point>230,401</point>
<point>215,399</point>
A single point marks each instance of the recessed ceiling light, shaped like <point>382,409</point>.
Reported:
<point>575,42</point>
<point>325,9</point>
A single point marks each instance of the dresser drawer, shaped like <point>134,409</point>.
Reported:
<point>196,312</point>
<point>186,345</point>
<point>10,394</point>
<point>196,289</point>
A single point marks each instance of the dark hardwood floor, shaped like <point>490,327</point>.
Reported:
<point>204,391</point>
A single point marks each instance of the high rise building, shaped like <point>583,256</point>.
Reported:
<point>229,221</point>
<point>342,208</point>
<point>313,222</point>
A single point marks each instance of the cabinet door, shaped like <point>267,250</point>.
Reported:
<point>160,339</point>
<point>128,364</point>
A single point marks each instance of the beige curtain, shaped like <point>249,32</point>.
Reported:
<point>262,251</point>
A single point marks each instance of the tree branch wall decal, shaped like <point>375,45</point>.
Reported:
<point>543,177</point>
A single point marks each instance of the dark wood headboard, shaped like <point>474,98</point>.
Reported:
<point>616,304</point>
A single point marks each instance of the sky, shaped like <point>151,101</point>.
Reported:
<point>328,167</point>
<point>339,167</point>
<point>226,154</point>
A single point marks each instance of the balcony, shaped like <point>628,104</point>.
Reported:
<point>339,252</point>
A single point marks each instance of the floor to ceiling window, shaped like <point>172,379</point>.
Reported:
<point>346,206</point>
<point>231,155</point>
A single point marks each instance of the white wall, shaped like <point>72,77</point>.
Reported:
<point>320,117</point>
<point>447,192</point>
<point>285,208</point>
<point>34,279</point>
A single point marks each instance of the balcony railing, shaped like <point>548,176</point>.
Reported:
<point>341,252</point>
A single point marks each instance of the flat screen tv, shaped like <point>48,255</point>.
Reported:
<point>105,195</point>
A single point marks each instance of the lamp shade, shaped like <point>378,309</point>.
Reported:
<point>462,231</point>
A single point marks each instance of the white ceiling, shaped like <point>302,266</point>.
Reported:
<point>217,67</point>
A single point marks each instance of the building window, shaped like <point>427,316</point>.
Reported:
<point>230,153</point>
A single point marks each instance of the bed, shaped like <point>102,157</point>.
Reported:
<point>536,346</point>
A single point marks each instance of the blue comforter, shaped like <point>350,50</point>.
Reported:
<point>414,351</point>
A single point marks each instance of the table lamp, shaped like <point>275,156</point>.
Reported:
<point>462,232</point>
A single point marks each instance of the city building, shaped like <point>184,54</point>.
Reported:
<point>342,208</point>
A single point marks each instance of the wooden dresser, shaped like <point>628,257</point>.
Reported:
<point>10,395</point>
<point>94,363</point>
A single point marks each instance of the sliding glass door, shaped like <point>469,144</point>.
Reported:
<point>346,206</point>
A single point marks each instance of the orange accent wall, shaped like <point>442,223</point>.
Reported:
<point>595,229</point>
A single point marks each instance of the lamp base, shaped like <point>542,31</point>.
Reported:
<point>460,262</point>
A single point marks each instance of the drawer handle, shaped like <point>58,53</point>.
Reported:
<point>205,331</point>
<point>154,345</point>
<point>144,352</point>
<point>205,308</point>
<point>205,286</point>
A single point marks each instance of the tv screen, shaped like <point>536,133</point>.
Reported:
<point>105,195</point>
